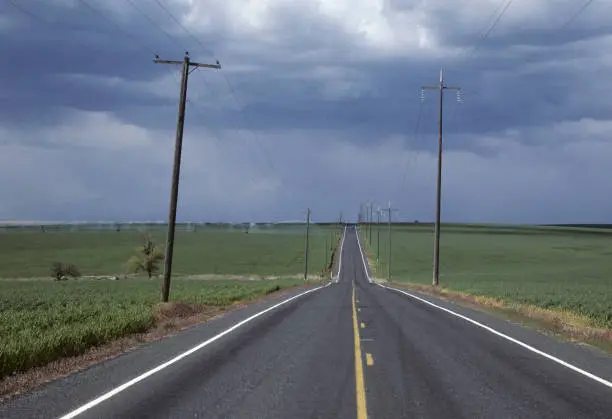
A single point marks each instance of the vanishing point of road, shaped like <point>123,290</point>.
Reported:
<point>348,349</point>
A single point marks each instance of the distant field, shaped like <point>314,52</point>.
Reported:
<point>274,251</point>
<point>41,320</point>
<point>556,267</point>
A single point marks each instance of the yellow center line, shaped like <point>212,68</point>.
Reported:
<point>362,410</point>
<point>369,359</point>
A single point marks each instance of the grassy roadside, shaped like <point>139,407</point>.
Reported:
<point>554,278</point>
<point>563,323</point>
<point>42,321</point>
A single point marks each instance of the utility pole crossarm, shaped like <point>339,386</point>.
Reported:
<point>444,87</point>
<point>215,66</point>
<point>158,61</point>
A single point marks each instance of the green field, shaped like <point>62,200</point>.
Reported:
<point>273,251</point>
<point>42,320</point>
<point>550,267</point>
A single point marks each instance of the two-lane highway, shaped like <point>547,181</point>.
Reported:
<point>351,349</point>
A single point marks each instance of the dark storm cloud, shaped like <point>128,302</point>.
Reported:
<point>103,51</point>
<point>334,107</point>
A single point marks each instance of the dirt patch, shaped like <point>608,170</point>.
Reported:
<point>177,310</point>
<point>170,319</point>
<point>560,322</point>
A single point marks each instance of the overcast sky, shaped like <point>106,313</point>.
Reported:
<point>316,105</point>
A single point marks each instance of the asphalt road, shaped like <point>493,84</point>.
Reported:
<point>352,349</point>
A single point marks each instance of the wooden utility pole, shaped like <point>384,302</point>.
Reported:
<point>176,168</point>
<point>441,87</point>
<point>360,216</point>
<point>371,222</point>
<point>306,250</point>
<point>378,234</point>
<point>326,250</point>
<point>389,211</point>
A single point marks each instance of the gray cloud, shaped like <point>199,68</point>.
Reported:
<point>320,110</point>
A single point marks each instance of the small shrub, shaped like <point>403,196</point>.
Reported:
<point>61,271</point>
<point>57,271</point>
<point>147,259</point>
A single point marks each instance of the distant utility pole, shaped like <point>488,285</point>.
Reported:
<point>306,250</point>
<point>441,87</point>
<point>176,168</point>
<point>326,250</point>
<point>389,211</point>
<point>378,234</point>
<point>371,222</point>
<point>360,218</point>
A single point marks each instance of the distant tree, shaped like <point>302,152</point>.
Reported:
<point>61,271</point>
<point>147,259</point>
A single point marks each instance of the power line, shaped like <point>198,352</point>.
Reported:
<point>414,137</point>
<point>481,32</point>
<point>165,9</point>
<point>231,88</point>
<point>260,144</point>
<point>174,40</point>
<point>192,103</point>
<point>154,23</point>
<point>490,20</point>
<point>41,19</point>
<point>118,27</point>
<point>578,13</point>
<point>265,152</point>
<point>244,117</point>
<point>28,12</point>
<point>491,28</point>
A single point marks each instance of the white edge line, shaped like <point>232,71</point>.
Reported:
<point>511,339</point>
<point>174,360</point>
<point>337,278</point>
<point>365,266</point>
